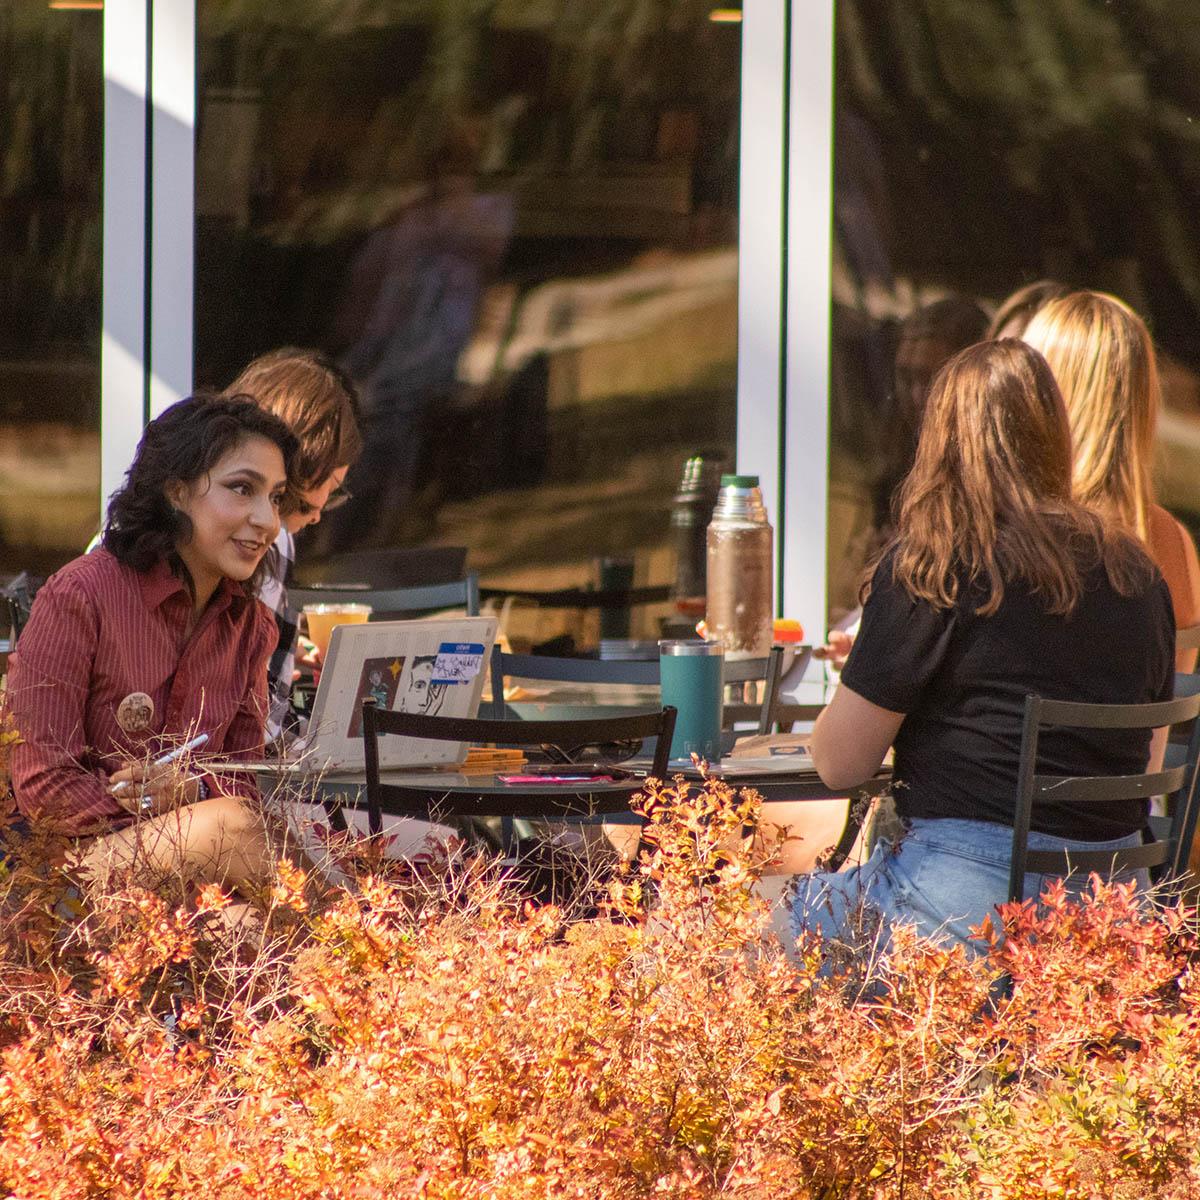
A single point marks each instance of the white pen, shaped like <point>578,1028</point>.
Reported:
<point>119,789</point>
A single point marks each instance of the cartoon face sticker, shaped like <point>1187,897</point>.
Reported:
<point>422,694</point>
<point>135,714</point>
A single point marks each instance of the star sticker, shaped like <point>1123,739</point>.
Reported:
<point>396,667</point>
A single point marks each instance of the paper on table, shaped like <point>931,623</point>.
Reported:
<point>768,764</point>
<point>771,745</point>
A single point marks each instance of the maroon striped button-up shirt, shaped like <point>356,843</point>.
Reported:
<point>100,632</point>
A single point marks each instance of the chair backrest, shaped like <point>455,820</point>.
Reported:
<point>585,598</point>
<point>397,603</point>
<point>636,672</point>
<point>564,735</point>
<point>382,570</point>
<point>1179,782</point>
<point>16,601</point>
<point>1188,638</point>
<point>1183,747</point>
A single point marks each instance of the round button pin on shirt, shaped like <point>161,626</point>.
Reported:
<point>135,713</point>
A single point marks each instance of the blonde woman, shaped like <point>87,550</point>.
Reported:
<point>1103,359</point>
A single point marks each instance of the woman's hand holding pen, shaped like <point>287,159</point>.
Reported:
<point>148,788</point>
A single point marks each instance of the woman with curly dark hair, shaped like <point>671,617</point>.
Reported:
<point>154,640</point>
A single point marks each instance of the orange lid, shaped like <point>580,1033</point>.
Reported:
<point>787,630</point>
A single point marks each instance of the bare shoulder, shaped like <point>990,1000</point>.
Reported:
<point>1167,531</point>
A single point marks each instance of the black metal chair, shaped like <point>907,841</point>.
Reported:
<point>1183,747</point>
<point>637,672</point>
<point>16,601</point>
<point>585,598</point>
<point>397,603</point>
<point>541,801</point>
<point>1166,852</point>
<point>382,570</point>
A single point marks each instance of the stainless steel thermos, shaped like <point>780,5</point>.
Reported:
<point>740,606</point>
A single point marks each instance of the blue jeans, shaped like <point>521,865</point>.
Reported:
<point>943,876</point>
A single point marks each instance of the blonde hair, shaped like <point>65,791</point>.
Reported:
<point>988,500</point>
<point>1103,358</point>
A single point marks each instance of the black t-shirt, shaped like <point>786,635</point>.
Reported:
<point>961,681</point>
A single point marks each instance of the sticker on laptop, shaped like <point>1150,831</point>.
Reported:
<point>457,662</point>
<point>378,681</point>
<point>423,694</point>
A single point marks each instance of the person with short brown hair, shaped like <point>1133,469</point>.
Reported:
<point>1016,311</point>
<point>316,400</point>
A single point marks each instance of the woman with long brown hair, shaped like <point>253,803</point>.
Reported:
<point>997,584</point>
<point>1102,356</point>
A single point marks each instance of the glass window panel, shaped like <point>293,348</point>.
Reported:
<point>51,139</point>
<point>982,146</point>
<point>515,223</point>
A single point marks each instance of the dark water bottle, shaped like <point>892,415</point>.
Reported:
<point>616,574</point>
<point>690,515</point>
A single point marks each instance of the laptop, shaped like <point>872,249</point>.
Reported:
<point>434,666</point>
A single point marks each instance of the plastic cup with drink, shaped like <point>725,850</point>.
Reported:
<point>321,619</point>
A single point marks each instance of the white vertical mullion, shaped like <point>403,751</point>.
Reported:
<point>123,351</point>
<point>810,226</point>
<point>173,89</point>
<point>760,247</point>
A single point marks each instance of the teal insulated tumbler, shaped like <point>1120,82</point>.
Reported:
<point>692,680</point>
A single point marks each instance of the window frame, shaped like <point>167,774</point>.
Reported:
<point>785,221</point>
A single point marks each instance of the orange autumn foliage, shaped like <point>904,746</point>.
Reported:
<point>437,1034</point>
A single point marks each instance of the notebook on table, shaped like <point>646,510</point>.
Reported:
<point>434,666</point>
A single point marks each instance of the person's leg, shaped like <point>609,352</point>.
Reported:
<point>945,877</point>
<point>851,909</point>
<point>221,841</point>
<point>807,830</point>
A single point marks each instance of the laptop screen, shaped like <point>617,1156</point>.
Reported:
<point>435,666</point>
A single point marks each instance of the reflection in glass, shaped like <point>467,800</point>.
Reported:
<point>984,146</point>
<point>51,137</point>
<point>514,222</point>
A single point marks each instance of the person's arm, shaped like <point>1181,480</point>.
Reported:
<point>1158,750</point>
<point>48,686</point>
<point>1168,660</point>
<point>851,737</point>
<point>900,645</point>
<point>1185,660</point>
<point>840,640</point>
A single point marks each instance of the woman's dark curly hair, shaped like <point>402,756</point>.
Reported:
<point>183,444</point>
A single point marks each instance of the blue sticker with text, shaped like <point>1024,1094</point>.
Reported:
<point>457,662</point>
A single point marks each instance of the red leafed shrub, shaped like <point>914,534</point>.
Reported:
<point>436,1034</point>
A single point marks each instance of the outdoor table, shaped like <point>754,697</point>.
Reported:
<point>440,794</point>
